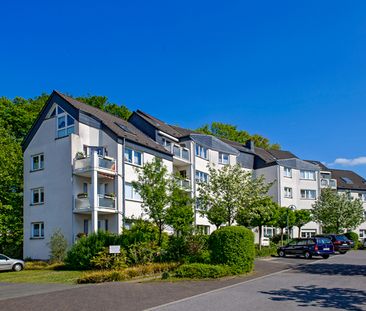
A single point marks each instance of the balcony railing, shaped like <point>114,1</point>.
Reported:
<point>328,183</point>
<point>185,184</point>
<point>103,163</point>
<point>180,152</point>
<point>104,202</point>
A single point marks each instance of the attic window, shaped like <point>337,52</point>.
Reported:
<point>347,180</point>
<point>53,113</point>
<point>124,127</point>
<point>65,124</point>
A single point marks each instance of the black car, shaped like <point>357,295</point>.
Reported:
<point>317,246</point>
<point>340,242</point>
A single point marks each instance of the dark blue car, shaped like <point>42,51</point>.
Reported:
<point>317,246</point>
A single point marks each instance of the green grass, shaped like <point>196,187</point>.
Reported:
<point>40,276</point>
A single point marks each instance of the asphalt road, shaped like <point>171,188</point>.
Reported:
<point>335,284</point>
<point>277,284</point>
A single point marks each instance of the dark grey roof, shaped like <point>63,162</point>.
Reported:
<point>298,164</point>
<point>119,127</point>
<point>239,146</point>
<point>358,182</point>
<point>271,156</point>
<point>213,143</point>
<point>320,164</point>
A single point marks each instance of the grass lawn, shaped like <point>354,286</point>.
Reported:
<point>40,276</point>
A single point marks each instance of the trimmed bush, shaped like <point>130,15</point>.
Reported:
<point>233,246</point>
<point>353,236</point>
<point>202,271</point>
<point>43,265</point>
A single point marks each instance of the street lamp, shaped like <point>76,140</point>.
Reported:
<point>291,207</point>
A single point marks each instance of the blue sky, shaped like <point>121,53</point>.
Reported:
<point>292,71</point>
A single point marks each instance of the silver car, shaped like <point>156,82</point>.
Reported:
<point>7,263</point>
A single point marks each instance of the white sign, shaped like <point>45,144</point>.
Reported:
<point>114,249</point>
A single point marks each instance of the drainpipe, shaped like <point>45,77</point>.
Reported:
<point>94,191</point>
<point>123,185</point>
<point>193,177</point>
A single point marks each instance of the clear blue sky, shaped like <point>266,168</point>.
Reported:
<point>293,71</point>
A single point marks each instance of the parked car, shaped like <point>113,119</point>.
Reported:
<point>341,243</point>
<point>317,246</point>
<point>7,263</point>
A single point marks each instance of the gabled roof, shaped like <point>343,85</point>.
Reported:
<point>120,127</point>
<point>342,176</point>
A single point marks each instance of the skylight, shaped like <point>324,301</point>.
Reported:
<point>347,180</point>
<point>124,127</point>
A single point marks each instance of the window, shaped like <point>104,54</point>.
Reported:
<point>199,205</point>
<point>167,143</point>
<point>37,162</point>
<point>347,180</point>
<point>362,196</point>
<point>203,229</point>
<point>362,233</point>
<point>310,175</point>
<point>288,192</point>
<point>201,151</point>
<point>201,176</point>
<point>85,187</point>
<point>88,150</point>
<point>269,232</point>
<point>103,225</point>
<point>37,230</point>
<point>65,123</point>
<point>37,196</point>
<point>131,193</point>
<point>308,194</point>
<point>308,233</point>
<point>133,156</point>
<point>223,158</point>
<point>287,172</point>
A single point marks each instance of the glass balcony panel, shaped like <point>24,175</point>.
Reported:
<point>105,202</point>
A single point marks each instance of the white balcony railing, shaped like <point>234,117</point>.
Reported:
<point>85,164</point>
<point>104,202</point>
<point>180,152</point>
<point>328,183</point>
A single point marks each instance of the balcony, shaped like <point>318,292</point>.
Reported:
<point>181,154</point>
<point>105,166</point>
<point>328,183</point>
<point>106,205</point>
<point>185,184</point>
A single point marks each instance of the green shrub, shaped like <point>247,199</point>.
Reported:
<point>353,236</point>
<point>81,253</point>
<point>201,271</point>
<point>102,276</point>
<point>105,260</point>
<point>277,239</point>
<point>58,246</point>
<point>266,251</point>
<point>143,253</point>
<point>43,265</point>
<point>233,246</point>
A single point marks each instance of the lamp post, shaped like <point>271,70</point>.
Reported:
<point>291,207</point>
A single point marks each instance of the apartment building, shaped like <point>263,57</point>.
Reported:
<point>79,163</point>
<point>193,153</point>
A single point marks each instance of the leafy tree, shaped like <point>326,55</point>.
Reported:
<point>286,217</point>
<point>58,246</point>
<point>302,217</point>
<point>337,211</point>
<point>261,212</point>
<point>231,132</point>
<point>179,214</point>
<point>152,185</point>
<point>217,215</point>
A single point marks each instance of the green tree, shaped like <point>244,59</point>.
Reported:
<point>286,217</point>
<point>261,212</point>
<point>217,215</point>
<point>337,212</point>
<point>58,246</point>
<point>231,132</point>
<point>302,217</point>
<point>153,184</point>
<point>179,214</point>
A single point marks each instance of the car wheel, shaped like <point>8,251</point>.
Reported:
<point>281,254</point>
<point>325,256</point>
<point>307,255</point>
<point>342,252</point>
<point>17,267</point>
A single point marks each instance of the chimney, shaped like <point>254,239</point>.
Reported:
<point>249,144</point>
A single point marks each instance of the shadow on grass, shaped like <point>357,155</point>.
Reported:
<point>321,297</point>
<point>333,269</point>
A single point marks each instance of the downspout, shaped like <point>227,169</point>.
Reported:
<point>123,185</point>
<point>193,172</point>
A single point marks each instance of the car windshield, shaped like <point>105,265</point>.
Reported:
<point>323,241</point>
<point>341,238</point>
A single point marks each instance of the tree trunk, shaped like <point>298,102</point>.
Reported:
<point>260,237</point>
<point>298,234</point>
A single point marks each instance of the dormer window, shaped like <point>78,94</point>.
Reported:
<point>65,123</point>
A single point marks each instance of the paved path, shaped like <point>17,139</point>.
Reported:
<point>240,296</point>
<point>335,284</point>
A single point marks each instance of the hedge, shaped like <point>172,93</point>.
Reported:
<point>233,246</point>
<point>202,271</point>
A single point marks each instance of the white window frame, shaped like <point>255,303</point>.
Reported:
<point>133,195</point>
<point>287,172</point>
<point>287,192</point>
<point>201,152</point>
<point>203,229</point>
<point>39,190</point>
<point>362,233</point>
<point>40,230</point>
<point>306,175</point>
<point>68,128</point>
<point>307,233</point>
<point>132,161</point>
<point>221,158</point>
<point>201,176</point>
<point>306,193</point>
<point>40,157</point>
